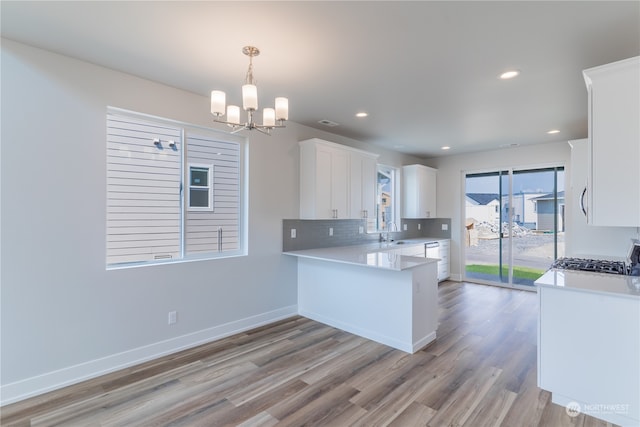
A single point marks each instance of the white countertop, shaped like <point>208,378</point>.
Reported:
<point>376,255</point>
<point>604,283</point>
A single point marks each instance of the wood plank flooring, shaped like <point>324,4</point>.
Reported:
<point>481,371</point>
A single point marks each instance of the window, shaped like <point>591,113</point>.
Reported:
<point>386,203</point>
<point>174,191</point>
<point>200,188</point>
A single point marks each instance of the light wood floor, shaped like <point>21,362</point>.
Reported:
<point>481,371</point>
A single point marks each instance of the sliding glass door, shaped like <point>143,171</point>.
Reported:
<point>514,224</point>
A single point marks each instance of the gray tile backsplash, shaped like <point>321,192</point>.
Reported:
<point>315,233</point>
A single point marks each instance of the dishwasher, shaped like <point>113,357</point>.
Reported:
<point>432,250</point>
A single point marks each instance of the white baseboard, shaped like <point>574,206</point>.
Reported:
<point>23,389</point>
<point>424,341</point>
<point>407,347</point>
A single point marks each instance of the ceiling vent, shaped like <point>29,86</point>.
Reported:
<point>328,123</point>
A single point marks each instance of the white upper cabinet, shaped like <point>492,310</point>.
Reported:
<point>614,143</point>
<point>419,191</point>
<point>336,182</point>
<point>363,187</point>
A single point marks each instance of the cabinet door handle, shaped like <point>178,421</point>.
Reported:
<point>584,193</point>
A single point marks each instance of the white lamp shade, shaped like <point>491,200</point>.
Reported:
<point>269,117</point>
<point>282,108</point>
<point>233,114</point>
<point>250,97</point>
<point>218,101</point>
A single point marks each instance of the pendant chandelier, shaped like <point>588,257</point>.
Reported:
<point>271,117</point>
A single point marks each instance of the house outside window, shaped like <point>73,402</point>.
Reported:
<point>174,191</point>
<point>200,187</point>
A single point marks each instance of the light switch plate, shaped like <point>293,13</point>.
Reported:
<point>330,231</point>
<point>445,227</point>
<point>404,227</point>
<point>293,233</point>
<point>361,229</point>
<point>419,226</point>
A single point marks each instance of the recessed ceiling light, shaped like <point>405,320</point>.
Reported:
<point>361,114</point>
<point>446,147</point>
<point>509,74</point>
<point>552,131</point>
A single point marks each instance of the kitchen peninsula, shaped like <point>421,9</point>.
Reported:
<point>371,290</point>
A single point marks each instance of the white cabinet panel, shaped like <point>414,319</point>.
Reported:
<point>336,182</point>
<point>363,188</point>
<point>323,181</point>
<point>588,351</point>
<point>339,187</point>
<point>614,143</point>
<point>584,240</point>
<point>419,191</point>
<point>444,263</point>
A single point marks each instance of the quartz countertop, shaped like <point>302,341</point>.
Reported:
<point>583,281</point>
<point>376,255</point>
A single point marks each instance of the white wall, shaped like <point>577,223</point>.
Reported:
<point>451,170</point>
<point>63,316</point>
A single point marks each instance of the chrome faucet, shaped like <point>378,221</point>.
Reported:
<point>390,227</point>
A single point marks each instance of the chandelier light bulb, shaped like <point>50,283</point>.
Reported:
<point>233,114</point>
<point>268,117</point>
<point>282,108</point>
<point>218,101</point>
<point>249,97</point>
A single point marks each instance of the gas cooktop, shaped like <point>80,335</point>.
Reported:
<point>593,265</point>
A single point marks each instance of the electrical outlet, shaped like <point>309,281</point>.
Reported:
<point>293,233</point>
<point>330,231</point>
<point>360,229</point>
<point>445,227</point>
<point>404,227</point>
<point>173,317</point>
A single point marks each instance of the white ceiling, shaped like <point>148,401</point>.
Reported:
<point>426,72</point>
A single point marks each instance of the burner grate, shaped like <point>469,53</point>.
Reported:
<point>593,265</point>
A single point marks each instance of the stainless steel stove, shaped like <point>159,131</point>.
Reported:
<point>593,265</point>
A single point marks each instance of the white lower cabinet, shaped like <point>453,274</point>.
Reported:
<point>589,352</point>
<point>444,263</point>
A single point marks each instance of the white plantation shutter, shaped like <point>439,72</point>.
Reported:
<point>143,190</point>
<point>217,230</point>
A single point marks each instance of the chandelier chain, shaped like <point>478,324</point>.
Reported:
<point>249,77</point>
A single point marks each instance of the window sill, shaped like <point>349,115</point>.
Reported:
<point>191,258</point>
